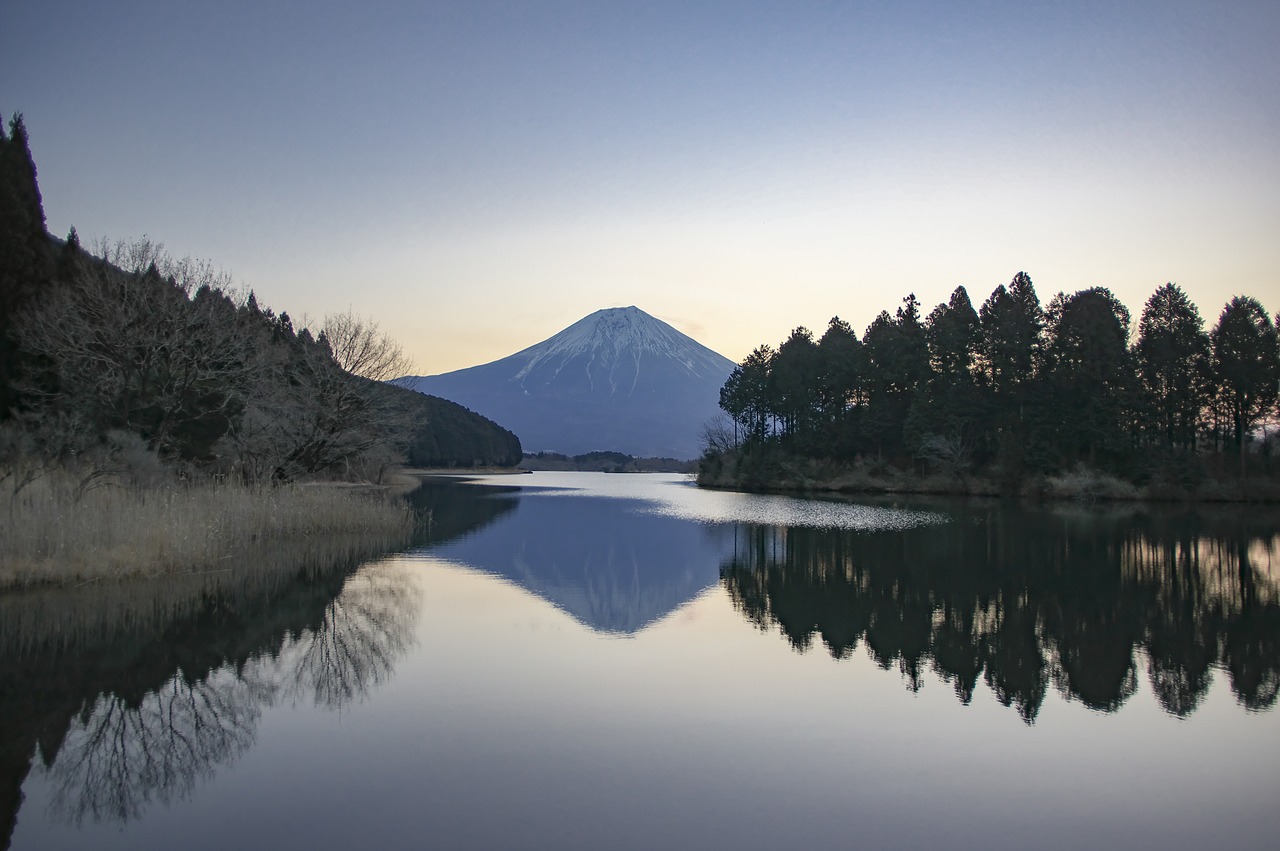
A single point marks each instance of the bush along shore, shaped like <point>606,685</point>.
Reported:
<point>773,471</point>
<point>1068,399</point>
<point>62,529</point>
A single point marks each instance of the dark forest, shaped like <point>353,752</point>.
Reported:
<point>998,397</point>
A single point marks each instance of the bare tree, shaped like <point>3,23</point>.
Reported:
<point>305,414</point>
<point>361,348</point>
<point>719,434</point>
<point>136,340</point>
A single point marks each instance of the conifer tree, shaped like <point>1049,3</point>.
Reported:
<point>1172,355</point>
<point>840,384</point>
<point>1246,365</point>
<point>25,262</point>
<point>1011,354</point>
<point>1089,372</point>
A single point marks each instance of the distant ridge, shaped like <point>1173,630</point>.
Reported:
<point>617,380</point>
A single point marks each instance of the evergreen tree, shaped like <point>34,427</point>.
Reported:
<point>25,262</point>
<point>942,418</point>
<point>954,333</point>
<point>747,395</point>
<point>1246,366</point>
<point>840,385</point>
<point>1172,356</point>
<point>897,356</point>
<point>1010,355</point>
<point>1090,374</point>
<point>1012,321</point>
<point>795,386</point>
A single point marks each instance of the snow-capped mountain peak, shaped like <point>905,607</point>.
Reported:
<point>618,379</point>
<point>620,334</point>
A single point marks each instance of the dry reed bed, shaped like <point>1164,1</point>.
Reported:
<point>51,533</point>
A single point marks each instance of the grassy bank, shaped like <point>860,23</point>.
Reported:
<point>779,473</point>
<point>52,532</point>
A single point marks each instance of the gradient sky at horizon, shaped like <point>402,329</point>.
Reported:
<point>476,176</point>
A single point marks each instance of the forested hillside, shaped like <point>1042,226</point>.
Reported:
<point>126,354</point>
<point>1013,391</point>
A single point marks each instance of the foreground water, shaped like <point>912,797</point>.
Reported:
<point>595,661</point>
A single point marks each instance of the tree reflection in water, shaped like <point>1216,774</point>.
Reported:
<point>1026,600</point>
<point>362,634</point>
<point>121,754</point>
<point>117,758</point>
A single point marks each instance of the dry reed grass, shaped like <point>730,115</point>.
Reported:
<point>1087,485</point>
<point>50,532</point>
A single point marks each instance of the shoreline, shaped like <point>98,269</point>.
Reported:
<point>1086,486</point>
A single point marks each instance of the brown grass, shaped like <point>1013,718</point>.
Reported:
<point>52,533</point>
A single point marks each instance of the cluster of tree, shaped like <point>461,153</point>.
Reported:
<point>604,462</point>
<point>128,341</point>
<point>1015,386</point>
<point>1072,602</point>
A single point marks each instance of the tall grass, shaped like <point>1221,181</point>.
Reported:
<point>53,532</point>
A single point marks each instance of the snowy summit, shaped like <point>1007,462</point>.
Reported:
<point>618,380</point>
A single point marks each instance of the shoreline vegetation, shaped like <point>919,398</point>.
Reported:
<point>58,531</point>
<point>603,462</point>
<point>791,475</point>
<point>1068,400</point>
<point>157,421</point>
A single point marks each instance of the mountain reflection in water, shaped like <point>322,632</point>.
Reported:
<point>607,562</point>
<point>1025,599</point>
<point>119,698</point>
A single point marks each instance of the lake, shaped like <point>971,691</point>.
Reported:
<point>578,660</point>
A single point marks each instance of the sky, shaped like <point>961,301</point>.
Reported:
<point>475,176</point>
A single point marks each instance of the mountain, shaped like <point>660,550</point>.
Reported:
<point>618,380</point>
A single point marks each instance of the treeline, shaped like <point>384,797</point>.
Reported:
<point>604,462</point>
<point>125,354</point>
<point>1013,389</point>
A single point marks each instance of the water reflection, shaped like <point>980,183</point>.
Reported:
<point>140,743</point>
<point>612,563</point>
<point>130,694</point>
<point>1027,600</point>
<point>452,508</point>
<point>1030,600</point>
<point>117,758</point>
<point>92,667</point>
<point>354,648</point>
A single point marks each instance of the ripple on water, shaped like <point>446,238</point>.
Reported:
<point>769,510</point>
<point>677,496</point>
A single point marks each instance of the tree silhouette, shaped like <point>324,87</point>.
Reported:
<point>25,259</point>
<point>1089,373</point>
<point>1172,355</point>
<point>1246,366</point>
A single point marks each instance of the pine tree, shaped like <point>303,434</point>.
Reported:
<point>25,260</point>
<point>1090,374</point>
<point>1172,357</point>
<point>1246,366</point>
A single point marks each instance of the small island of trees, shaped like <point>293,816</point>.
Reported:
<point>1011,398</point>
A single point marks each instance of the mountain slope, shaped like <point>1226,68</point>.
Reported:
<point>618,379</point>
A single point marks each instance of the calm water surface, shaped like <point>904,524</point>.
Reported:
<point>595,661</point>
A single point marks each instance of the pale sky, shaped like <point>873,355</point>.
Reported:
<point>476,176</point>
